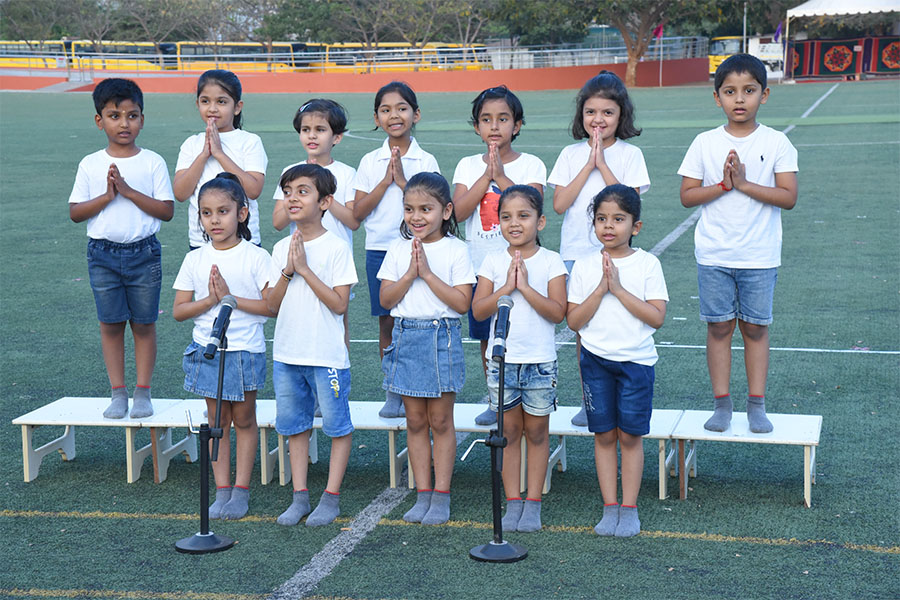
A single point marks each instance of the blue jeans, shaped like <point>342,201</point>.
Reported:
<point>126,279</point>
<point>425,358</point>
<point>745,294</point>
<point>616,394</point>
<point>297,387</point>
<point>244,372</point>
<point>531,385</point>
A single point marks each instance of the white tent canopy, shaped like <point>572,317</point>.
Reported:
<point>817,8</point>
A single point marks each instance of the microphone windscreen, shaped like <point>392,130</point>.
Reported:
<point>230,300</point>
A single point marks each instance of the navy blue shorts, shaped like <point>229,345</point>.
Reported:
<point>374,258</point>
<point>126,279</point>
<point>616,394</point>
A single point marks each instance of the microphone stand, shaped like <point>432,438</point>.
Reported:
<point>497,550</point>
<point>205,541</point>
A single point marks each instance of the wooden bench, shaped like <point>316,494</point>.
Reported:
<point>662,423</point>
<point>71,412</point>
<point>88,412</point>
<point>795,430</point>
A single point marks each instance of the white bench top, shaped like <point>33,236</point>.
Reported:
<point>85,412</point>
<point>799,430</point>
<point>662,421</point>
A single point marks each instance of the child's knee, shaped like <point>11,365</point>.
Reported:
<point>756,333</point>
<point>722,329</point>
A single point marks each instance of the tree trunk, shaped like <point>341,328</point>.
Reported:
<point>631,70</point>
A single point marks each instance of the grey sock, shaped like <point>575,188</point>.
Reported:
<point>513,514</point>
<point>238,506</point>
<point>721,419</point>
<point>142,405</point>
<point>609,521</point>
<point>439,511</point>
<point>531,516</point>
<point>417,512</point>
<point>488,417</point>
<point>118,407</point>
<point>393,406</point>
<point>629,524</point>
<point>298,509</point>
<point>223,495</point>
<point>326,512</point>
<point>756,415</point>
<point>580,418</point>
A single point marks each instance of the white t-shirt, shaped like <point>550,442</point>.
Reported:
<point>735,230</point>
<point>531,338</point>
<point>626,162</point>
<point>247,152</point>
<point>614,333</point>
<point>383,223</point>
<point>245,268</point>
<point>483,225</point>
<point>121,221</point>
<point>307,332</point>
<point>344,175</point>
<point>448,258</point>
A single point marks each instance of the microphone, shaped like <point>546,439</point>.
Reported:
<point>220,325</point>
<point>501,327</point>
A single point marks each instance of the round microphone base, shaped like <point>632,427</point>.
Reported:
<point>200,543</point>
<point>503,552</point>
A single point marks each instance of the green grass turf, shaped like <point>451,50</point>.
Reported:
<point>838,289</point>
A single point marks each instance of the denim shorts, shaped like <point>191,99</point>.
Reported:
<point>244,372</point>
<point>616,394</point>
<point>479,330</point>
<point>297,388</point>
<point>125,279</point>
<point>531,385</point>
<point>374,258</point>
<point>745,294</point>
<point>425,358</point>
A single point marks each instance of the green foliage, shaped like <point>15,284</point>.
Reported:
<point>543,21</point>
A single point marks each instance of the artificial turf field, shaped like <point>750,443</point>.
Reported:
<point>80,531</point>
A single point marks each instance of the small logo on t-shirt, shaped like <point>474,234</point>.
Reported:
<point>490,220</point>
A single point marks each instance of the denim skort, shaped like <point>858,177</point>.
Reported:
<point>479,330</point>
<point>374,258</point>
<point>297,387</point>
<point>616,394</point>
<point>125,279</point>
<point>425,358</point>
<point>745,294</point>
<point>244,372</point>
<point>531,385</point>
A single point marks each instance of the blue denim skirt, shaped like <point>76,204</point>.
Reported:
<point>244,372</point>
<point>425,358</point>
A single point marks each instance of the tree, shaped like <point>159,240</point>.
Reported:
<point>535,22</point>
<point>30,20</point>
<point>469,17</point>
<point>93,19</point>
<point>635,20</point>
<point>156,20</point>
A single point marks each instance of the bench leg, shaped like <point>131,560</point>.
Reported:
<point>313,447</point>
<point>809,462</point>
<point>557,459</point>
<point>395,459</point>
<point>134,457</point>
<point>682,474</point>
<point>267,458</point>
<point>32,457</point>
<point>284,460</point>
<point>663,475</point>
<point>164,450</point>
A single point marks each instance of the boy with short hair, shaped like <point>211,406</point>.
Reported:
<point>742,174</point>
<point>312,273</point>
<point>123,192</point>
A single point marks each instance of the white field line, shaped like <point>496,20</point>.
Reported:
<point>320,566</point>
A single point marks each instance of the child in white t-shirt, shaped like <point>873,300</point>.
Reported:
<point>535,279</point>
<point>313,272</point>
<point>497,116</point>
<point>738,237</point>
<point>617,299</point>
<point>426,283</point>
<point>123,192</point>
<point>223,146</point>
<point>604,118</point>
<point>229,265</point>
<point>379,184</point>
